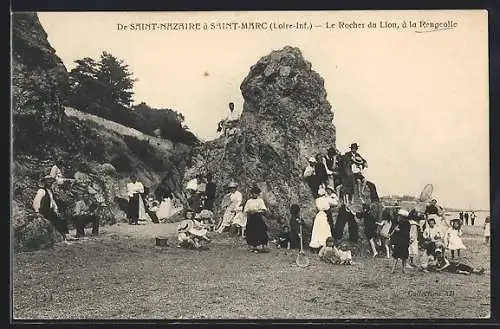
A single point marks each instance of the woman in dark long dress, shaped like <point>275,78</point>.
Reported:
<point>256,228</point>
<point>400,240</point>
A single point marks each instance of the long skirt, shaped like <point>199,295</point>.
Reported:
<point>256,230</point>
<point>59,224</point>
<point>133,207</point>
<point>321,231</point>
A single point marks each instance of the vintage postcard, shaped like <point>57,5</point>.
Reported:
<point>250,165</point>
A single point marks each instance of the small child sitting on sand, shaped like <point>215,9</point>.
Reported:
<point>331,254</point>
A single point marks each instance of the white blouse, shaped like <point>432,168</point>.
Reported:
<point>254,205</point>
<point>133,188</point>
<point>38,198</point>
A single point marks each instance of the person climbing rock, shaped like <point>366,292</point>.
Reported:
<point>310,176</point>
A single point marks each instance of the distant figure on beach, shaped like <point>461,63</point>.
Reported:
<point>466,217</point>
<point>487,230</point>
<point>472,218</point>
<point>461,216</point>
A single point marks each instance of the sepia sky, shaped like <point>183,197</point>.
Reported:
<point>417,103</point>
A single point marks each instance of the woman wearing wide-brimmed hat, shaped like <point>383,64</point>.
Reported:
<point>256,228</point>
<point>45,204</point>
<point>190,232</point>
<point>234,209</point>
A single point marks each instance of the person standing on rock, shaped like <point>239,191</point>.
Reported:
<point>45,205</point>
<point>310,176</point>
<point>331,162</point>
<point>256,228</point>
<point>134,190</point>
<point>321,171</point>
<point>358,164</point>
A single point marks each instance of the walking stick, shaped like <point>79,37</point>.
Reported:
<point>302,259</point>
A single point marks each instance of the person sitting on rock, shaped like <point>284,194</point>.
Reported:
<point>231,122</point>
<point>84,213</point>
<point>45,205</point>
<point>358,164</point>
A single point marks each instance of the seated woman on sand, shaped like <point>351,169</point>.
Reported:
<point>190,233</point>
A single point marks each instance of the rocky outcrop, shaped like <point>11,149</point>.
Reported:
<point>286,118</point>
<point>44,135</point>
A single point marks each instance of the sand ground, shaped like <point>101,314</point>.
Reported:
<point>121,274</point>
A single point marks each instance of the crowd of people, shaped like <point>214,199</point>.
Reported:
<point>416,240</point>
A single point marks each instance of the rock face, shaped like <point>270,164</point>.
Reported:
<point>286,118</point>
<point>44,136</point>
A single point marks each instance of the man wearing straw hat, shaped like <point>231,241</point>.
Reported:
<point>44,204</point>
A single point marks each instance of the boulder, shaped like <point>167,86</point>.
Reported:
<point>285,119</point>
<point>30,230</point>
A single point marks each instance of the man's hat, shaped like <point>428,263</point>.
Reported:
<point>354,145</point>
<point>184,226</point>
<point>312,159</point>
<point>232,184</point>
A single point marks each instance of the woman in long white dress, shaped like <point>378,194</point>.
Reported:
<point>321,229</point>
<point>234,209</point>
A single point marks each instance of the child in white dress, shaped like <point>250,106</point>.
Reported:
<point>453,238</point>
